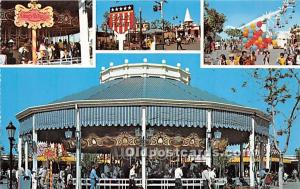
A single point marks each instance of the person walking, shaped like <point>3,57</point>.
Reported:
<point>178,175</point>
<point>94,177</point>
<point>178,41</point>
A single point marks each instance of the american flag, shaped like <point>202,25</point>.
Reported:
<point>121,18</point>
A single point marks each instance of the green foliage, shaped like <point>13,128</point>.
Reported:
<point>157,24</point>
<point>235,33</point>
<point>213,21</point>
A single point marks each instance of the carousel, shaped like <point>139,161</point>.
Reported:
<point>145,106</point>
<point>33,21</point>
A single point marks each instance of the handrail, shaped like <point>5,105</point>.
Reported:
<point>62,61</point>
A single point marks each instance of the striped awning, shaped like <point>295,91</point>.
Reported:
<point>131,116</point>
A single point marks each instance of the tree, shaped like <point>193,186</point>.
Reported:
<point>280,90</point>
<point>297,152</point>
<point>157,24</point>
<point>234,33</point>
<point>213,21</point>
<point>104,25</point>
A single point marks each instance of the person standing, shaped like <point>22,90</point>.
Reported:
<point>178,175</point>
<point>212,177</point>
<point>132,176</point>
<point>206,177</point>
<point>94,177</point>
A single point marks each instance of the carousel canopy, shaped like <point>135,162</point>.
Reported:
<point>163,90</point>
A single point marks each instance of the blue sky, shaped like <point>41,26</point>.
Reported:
<point>240,12</point>
<point>23,88</point>
<point>171,9</point>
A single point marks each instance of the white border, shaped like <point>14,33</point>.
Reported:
<point>199,52</point>
<point>93,60</point>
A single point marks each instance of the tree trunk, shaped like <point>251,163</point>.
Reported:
<point>280,172</point>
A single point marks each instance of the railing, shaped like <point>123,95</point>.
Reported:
<point>63,61</point>
<point>162,183</point>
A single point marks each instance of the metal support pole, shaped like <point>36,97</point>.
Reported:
<point>241,160</point>
<point>10,162</point>
<point>141,32</point>
<point>268,152</point>
<point>26,157</point>
<point>144,147</point>
<point>84,33</point>
<point>34,152</point>
<point>252,151</point>
<point>19,153</point>
<point>208,139</point>
<point>78,149</point>
<point>163,22</point>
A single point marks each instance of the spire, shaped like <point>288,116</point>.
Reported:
<point>187,17</point>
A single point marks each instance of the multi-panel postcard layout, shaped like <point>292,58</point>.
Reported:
<point>149,94</point>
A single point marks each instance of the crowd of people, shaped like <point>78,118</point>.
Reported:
<point>234,53</point>
<point>47,51</point>
<point>63,178</point>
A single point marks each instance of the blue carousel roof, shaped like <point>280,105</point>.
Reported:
<point>163,83</point>
<point>145,88</point>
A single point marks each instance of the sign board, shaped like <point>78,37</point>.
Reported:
<point>121,18</point>
<point>33,17</point>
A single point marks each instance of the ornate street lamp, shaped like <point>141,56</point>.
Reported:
<point>11,130</point>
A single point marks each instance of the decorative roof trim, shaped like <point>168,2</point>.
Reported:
<point>143,102</point>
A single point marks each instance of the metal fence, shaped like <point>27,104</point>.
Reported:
<point>64,61</point>
<point>157,183</point>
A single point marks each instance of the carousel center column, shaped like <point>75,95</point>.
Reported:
<point>84,33</point>
<point>268,153</point>
<point>19,153</point>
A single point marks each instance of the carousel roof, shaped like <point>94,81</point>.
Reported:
<point>164,90</point>
<point>145,88</point>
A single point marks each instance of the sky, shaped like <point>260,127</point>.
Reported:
<point>23,88</point>
<point>171,9</point>
<point>239,12</point>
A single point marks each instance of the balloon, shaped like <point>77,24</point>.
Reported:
<point>253,48</point>
<point>260,39</point>
<point>274,36</point>
<point>245,40</point>
<point>264,35</point>
<point>246,30</point>
<point>255,36</point>
<point>274,42</point>
<point>250,35</point>
<point>252,26</point>
<point>269,40</point>
<point>245,34</point>
<point>259,24</point>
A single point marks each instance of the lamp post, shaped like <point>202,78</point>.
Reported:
<point>11,130</point>
<point>217,136</point>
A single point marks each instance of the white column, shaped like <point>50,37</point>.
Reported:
<point>241,168</point>
<point>208,139</point>
<point>78,149</point>
<point>34,153</point>
<point>84,34</point>
<point>121,38</point>
<point>268,153</point>
<point>144,149</point>
<point>252,151</point>
<point>26,157</point>
<point>19,153</point>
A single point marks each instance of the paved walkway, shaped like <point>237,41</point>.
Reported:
<point>290,185</point>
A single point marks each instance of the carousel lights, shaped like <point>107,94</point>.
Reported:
<point>217,134</point>
<point>68,134</point>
